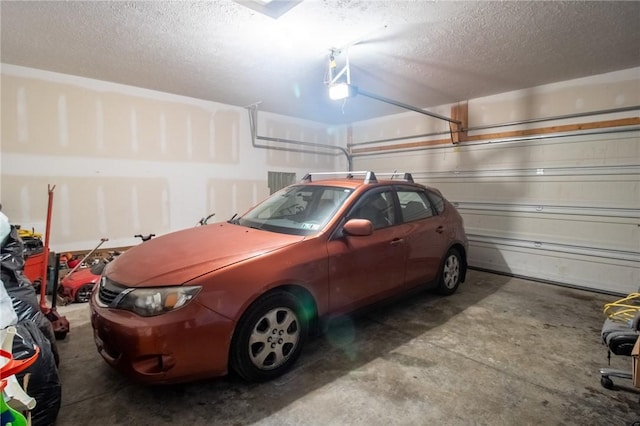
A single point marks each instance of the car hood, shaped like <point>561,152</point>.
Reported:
<point>184,255</point>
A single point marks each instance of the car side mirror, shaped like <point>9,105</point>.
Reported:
<point>358,227</point>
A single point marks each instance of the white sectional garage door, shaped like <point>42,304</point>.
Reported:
<point>558,209</point>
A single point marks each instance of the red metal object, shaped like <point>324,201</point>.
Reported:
<point>33,267</point>
<point>45,261</point>
<point>60,324</point>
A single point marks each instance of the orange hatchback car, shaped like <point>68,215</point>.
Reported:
<point>244,294</point>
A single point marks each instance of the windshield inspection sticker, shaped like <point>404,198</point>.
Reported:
<point>311,226</point>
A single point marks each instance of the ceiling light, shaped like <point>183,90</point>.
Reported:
<point>339,82</point>
<point>342,91</point>
<point>271,8</point>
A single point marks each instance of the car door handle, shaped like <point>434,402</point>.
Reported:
<point>440,229</point>
<point>396,241</point>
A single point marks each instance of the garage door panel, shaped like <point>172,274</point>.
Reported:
<point>601,191</point>
<point>596,232</point>
<point>562,209</point>
<point>570,152</point>
<point>619,277</point>
<point>579,151</point>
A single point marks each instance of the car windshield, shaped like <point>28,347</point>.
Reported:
<point>298,209</point>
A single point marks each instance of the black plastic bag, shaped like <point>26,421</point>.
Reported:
<point>22,293</point>
<point>25,304</point>
<point>12,260</point>
<point>44,382</point>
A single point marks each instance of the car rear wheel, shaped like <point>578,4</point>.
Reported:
<point>269,337</point>
<point>84,293</point>
<point>450,273</point>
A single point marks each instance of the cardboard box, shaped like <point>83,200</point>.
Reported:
<point>635,366</point>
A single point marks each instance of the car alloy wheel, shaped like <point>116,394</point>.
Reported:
<point>269,337</point>
<point>273,339</point>
<point>450,273</point>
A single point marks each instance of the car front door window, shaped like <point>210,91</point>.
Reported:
<point>377,208</point>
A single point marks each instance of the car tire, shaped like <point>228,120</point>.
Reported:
<point>450,273</point>
<point>84,293</point>
<point>269,337</point>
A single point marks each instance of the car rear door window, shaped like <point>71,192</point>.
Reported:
<point>437,201</point>
<point>414,205</point>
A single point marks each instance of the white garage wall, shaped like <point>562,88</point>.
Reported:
<point>125,160</point>
<point>554,207</point>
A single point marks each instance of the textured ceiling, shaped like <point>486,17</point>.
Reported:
<point>416,52</point>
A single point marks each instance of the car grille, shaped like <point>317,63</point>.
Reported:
<point>109,290</point>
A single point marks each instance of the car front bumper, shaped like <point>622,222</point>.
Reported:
<point>187,344</point>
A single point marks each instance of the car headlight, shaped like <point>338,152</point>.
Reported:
<point>148,302</point>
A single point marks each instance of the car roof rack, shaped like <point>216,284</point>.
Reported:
<point>369,176</point>
<point>395,175</point>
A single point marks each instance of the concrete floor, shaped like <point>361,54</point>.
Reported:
<point>501,351</point>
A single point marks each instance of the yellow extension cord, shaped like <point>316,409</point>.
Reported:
<point>623,310</point>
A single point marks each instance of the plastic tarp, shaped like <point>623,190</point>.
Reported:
<point>12,260</point>
<point>44,382</point>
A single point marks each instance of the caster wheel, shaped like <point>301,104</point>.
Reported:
<point>606,382</point>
